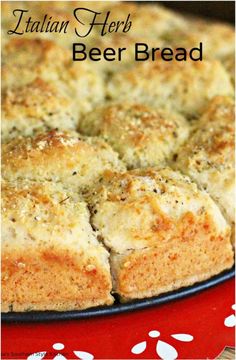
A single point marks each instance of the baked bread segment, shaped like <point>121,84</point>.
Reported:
<point>218,39</point>
<point>229,64</point>
<point>51,258</point>
<point>36,107</point>
<point>66,157</point>
<point>208,156</point>
<point>152,33</point>
<point>162,19</point>
<point>162,231</point>
<point>25,60</point>
<point>180,87</point>
<point>142,135</point>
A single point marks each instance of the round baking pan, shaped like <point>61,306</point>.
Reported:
<point>37,316</point>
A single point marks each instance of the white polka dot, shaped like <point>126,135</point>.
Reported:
<point>154,333</point>
<point>182,337</point>
<point>230,321</point>
<point>234,307</point>
<point>166,351</point>
<point>58,346</point>
<point>139,348</point>
<point>83,355</point>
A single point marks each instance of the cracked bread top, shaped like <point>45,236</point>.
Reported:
<point>45,214</point>
<point>51,258</point>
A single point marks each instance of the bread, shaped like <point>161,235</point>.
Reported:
<point>127,57</point>
<point>35,58</point>
<point>63,11</point>
<point>217,38</point>
<point>52,63</point>
<point>229,63</point>
<point>143,136</point>
<point>65,157</point>
<point>51,258</point>
<point>36,107</point>
<point>208,156</point>
<point>163,19</point>
<point>94,200</point>
<point>175,234</point>
<point>183,87</point>
<point>152,33</point>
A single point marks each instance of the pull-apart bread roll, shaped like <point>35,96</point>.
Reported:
<point>183,87</point>
<point>229,63</point>
<point>163,232</point>
<point>142,135</point>
<point>24,60</point>
<point>51,258</point>
<point>218,39</point>
<point>36,107</point>
<point>66,157</point>
<point>163,20</point>
<point>208,156</point>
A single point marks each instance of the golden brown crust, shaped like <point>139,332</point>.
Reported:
<point>208,156</point>
<point>183,87</point>
<point>217,38</point>
<point>175,234</point>
<point>152,33</point>
<point>229,64</point>
<point>36,107</point>
<point>161,229</point>
<point>24,60</point>
<point>66,157</point>
<point>220,109</point>
<point>142,135</point>
<point>148,272</point>
<point>163,19</point>
<point>155,201</point>
<point>34,58</point>
<point>51,259</point>
<point>53,280</point>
